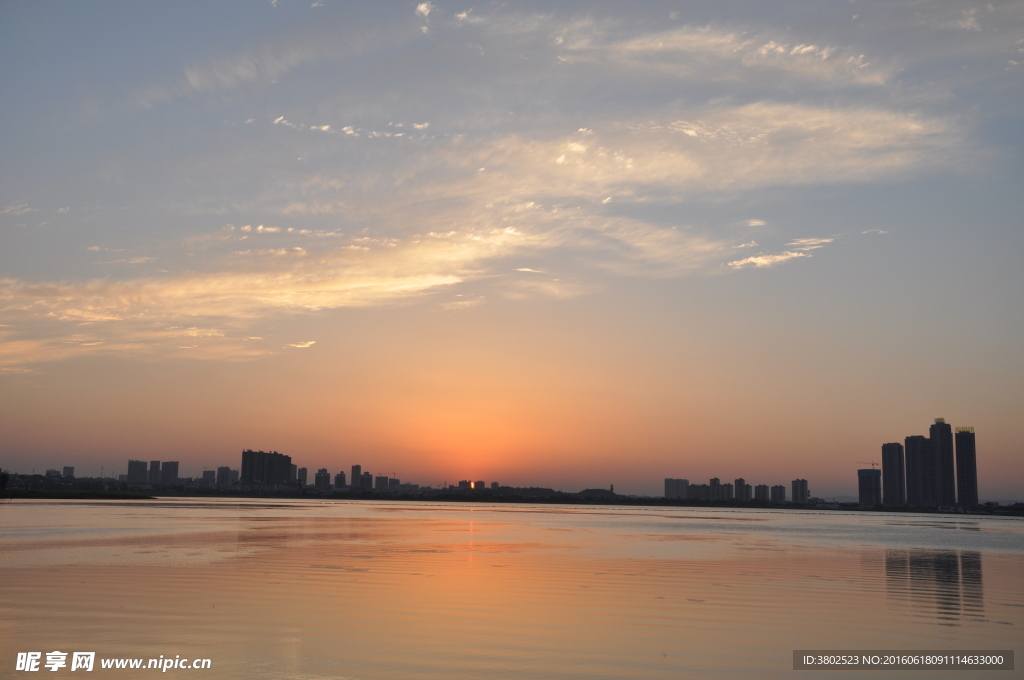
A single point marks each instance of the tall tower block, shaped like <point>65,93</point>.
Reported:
<point>966,468</point>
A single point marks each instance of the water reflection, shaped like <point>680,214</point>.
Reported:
<point>946,584</point>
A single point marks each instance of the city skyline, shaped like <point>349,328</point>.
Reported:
<point>911,476</point>
<point>565,246</point>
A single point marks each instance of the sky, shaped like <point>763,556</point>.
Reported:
<point>598,243</point>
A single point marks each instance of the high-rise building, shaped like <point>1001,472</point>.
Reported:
<point>367,483</point>
<point>778,494</point>
<point>357,477</point>
<point>382,483</point>
<point>801,494</point>
<point>322,480</point>
<point>293,472</point>
<point>894,484</point>
<point>154,472</point>
<point>209,478</point>
<point>69,472</point>
<point>676,488</point>
<point>137,472</point>
<point>339,480</point>
<point>941,435</point>
<point>920,456</point>
<point>966,468</point>
<point>169,473</point>
<point>698,492</point>
<point>761,493</point>
<point>869,487</point>
<point>224,476</point>
<point>741,490</point>
<point>262,467</point>
<point>717,492</point>
<point>302,477</point>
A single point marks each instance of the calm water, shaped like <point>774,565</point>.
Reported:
<point>312,589</point>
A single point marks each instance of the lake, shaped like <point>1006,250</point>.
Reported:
<point>415,590</point>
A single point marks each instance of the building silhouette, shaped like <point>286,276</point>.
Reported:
<point>869,487</point>
<point>778,494</point>
<point>339,480</point>
<point>894,491</point>
<point>941,435</point>
<point>966,468</point>
<point>154,472</point>
<point>932,469</point>
<point>322,480</point>
<point>761,493</point>
<point>801,494</point>
<point>262,467</point>
<point>920,460</point>
<point>137,472</point>
<point>676,488</point>
<point>302,477</point>
<point>741,490</point>
<point>698,492</point>
<point>223,476</point>
<point>169,473</point>
<point>357,477</point>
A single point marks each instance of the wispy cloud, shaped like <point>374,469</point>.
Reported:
<point>302,345</point>
<point>766,260</point>
<point>20,208</point>
<point>809,243</point>
<point>707,52</point>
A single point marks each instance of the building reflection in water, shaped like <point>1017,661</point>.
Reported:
<point>944,583</point>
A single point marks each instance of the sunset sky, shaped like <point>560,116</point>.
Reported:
<point>600,243</point>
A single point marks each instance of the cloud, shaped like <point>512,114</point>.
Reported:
<point>712,53</point>
<point>264,65</point>
<point>20,208</point>
<point>766,260</point>
<point>809,243</point>
<point>302,345</point>
<point>412,214</point>
<point>968,20</point>
<point>463,304</point>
